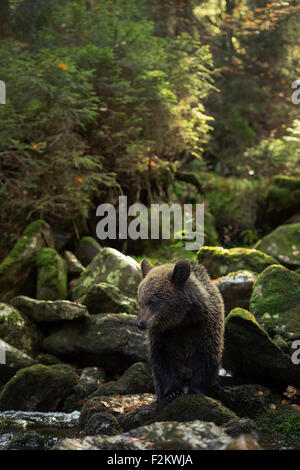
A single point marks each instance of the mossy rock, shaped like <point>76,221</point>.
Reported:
<point>38,388</point>
<point>282,420</point>
<point>47,359</point>
<point>193,435</point>
<point>251,353</point>
<point>112,267</point>
<point>111,341</point>
<point>17,330</point>
<point>13,359</point>
<point>220,261</point>
<point>236,289</point>
<point>288,182</point>
<point>190,407</point>
<point>283,244</point>
<point>247,400</point>
<point>47,311</point>
<point>87,249</point>
<point>52,277</point>
<point>275,301</point>
<point>17,271</point>
<point>136,379</point>
<point>103,298</point>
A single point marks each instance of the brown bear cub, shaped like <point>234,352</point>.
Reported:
<point>184,314</point>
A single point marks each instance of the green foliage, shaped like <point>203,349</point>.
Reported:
<point>272,156</point>
<point>96,102</point>
<point>235,204</point>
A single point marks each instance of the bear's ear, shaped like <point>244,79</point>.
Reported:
<point>181,272</point>
<point>145,267</point>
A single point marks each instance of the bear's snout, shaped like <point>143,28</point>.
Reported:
<point>141,324</point>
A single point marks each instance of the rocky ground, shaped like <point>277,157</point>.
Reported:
<point>76,374</point>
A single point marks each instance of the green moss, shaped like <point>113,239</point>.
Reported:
<point>220,261</point>
<point>21,244</point>
<point>136,379</point>
<point>235,322</point>
<point>283,244</point>
<point>276,289</point>
<point>275,300</point>
<point>281,420</point>
<point>38,388</point>
<point>52,275</point>
<point>19,331</point>
<point>288,182</point>
<point>191,407</point>
<point>89,240</point>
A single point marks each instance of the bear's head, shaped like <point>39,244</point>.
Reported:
<point>161,294</point>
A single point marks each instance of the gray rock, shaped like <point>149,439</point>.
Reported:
<point>52,279</point>
<point>17,270</point>
<point>87,249</point>
<point>13,359</point>
<point>193,435</point>
<point>236,289</point>
<point>20,332</point>
<point>112,267</point>
<point>42,311</point>
<point>111,341</point>
<point>251,353</point>
<point>102,423</point>
<point>283,244</point>
<point>103,298</point>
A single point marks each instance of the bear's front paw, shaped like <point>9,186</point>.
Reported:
<point>168,398</point>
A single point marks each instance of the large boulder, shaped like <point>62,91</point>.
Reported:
<point>17,270</point>
<point>132,411</point>
<point>87,249</point>
<point>236,289</point>
<point>17,330</point>
<point>45,311</point>
<point>283,244</point>
<point>52,278</point>
<point>193,435</point>
<point>111,341</point>
<point>251,353</point>
<point>11,360</point>
<point>38,388</point>
<point>112,267</point>
<point>275,301</point>
<point>220,261</point>
<point>103,297</point>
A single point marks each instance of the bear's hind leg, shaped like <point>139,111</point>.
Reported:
<point>205,369</point>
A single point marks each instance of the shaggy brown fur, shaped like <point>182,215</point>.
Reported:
<point>184,314</point>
